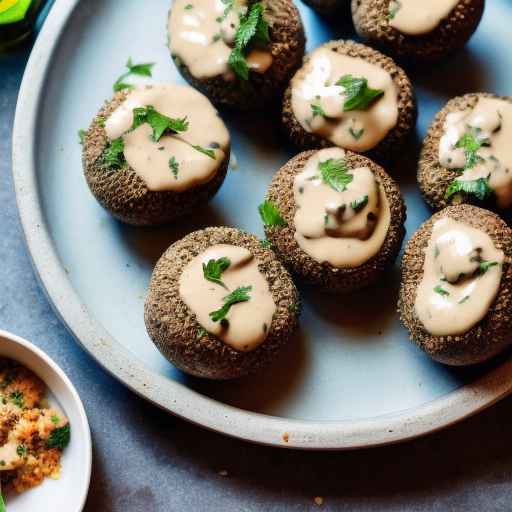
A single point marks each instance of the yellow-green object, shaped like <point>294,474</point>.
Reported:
<point>12,11</point>
<point>17,20</point>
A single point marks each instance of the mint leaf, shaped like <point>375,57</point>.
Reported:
<point>159,122</point>
<point>241,294</point>
<point>359,204</point>
<point>113,155</point>
<point>358,96</point>
<point>59,438</point>
<point>480,188</point>
<point>133,69</point>
<point>441,291</point>
<point>334,172</point>
<point>213,270</point>
<point>270,215</point>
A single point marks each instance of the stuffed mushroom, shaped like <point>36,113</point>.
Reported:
<point>220,305</point>
<point>455,296</point>
<point>155,153</point>
<point>351,96</point>
<point>334,218</point>
<point>240,53</point>
<point>418,29</point>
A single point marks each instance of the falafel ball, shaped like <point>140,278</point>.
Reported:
<point>349,95</point>
<point>341,219</point>
<point>239,54</point>
<point>426,32</point>
<point>155,153</point>
<point>473,342</point>
<point>180,294</point>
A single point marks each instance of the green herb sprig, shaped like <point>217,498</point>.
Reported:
<point>59,438</point>
<point>213,270</point>
<point>133,69</point>
<point>441,291</point>
<point>270,215</point>
<point>358,96</point>
<point>334,172</point>
<point>359,204</point>
<point>113,155</point>
<point>241,294</point>
<point>159,122</point>
<point>480,188</point>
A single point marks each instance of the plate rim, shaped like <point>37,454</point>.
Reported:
<point>173,396</point>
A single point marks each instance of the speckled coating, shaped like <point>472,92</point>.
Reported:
<point>287,43</point>
<point>174,328</point>
<point>324,275</point>
<point>406,104</point>
<point>124,194</point>
<point>492,334</point>
<point>433,178</point>
<point>371,22</point>
<point>328,7</point>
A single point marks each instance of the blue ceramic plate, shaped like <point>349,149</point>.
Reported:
<point>351,378</point>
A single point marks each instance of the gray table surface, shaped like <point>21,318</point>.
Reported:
<point>146,460</point>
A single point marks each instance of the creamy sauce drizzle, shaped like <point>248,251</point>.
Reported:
<point>327,227</point>
<point>357,130</point>
<point>202,36</point>
<point>461,300</point>
<point>249,322</point>
<point>491,119</point>
<point>150,159</point>
<point>419,17</point>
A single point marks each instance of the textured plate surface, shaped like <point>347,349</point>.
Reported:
<point>350,378</point>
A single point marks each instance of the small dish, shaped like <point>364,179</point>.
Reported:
<point>70,491</point>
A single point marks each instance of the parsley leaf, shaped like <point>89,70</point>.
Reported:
<point>486,265</point>
<point>201,332</point>
<point>359,204</point>
<point>174,166</point>
<point>241,294</point>
<point>464,299</point>
<point>205,151</point>
<point>21,450</point>
<point>81,135</point>
<point>317,110</point>
<point>133,69</point>
<point>59,438</point>
<point>334,172</point>
<point>441,291</point>
<point>357,134</point>
<point>479,188</point>
<point>188,7</point>
<point>358,96</point>
<point>2,503</point>
<point>18,399</point>
<point>252,27</point>
<point>113,155</point>
<point>266,243</point>
<point>270,215</point>
<point>394,7</point>
<point>159,122</point>
<point>214,269</point>
<point>471,144</point>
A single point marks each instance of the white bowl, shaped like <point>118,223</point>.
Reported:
<point>70,491</point>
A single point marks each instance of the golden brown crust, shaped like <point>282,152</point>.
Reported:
<point>433,178</point>
<point>174,328</point>
<point>325,275</point>
<point>124,194</point>
<point>489,336</point>
<point>287,45</point>
<point>371,22</point>
<point>406,104</point>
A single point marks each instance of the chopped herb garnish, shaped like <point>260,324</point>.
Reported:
<point>188,7</point>
<point>174,166</point>
<point>81,135</point>
<point>441,291</point>
<point>266,243</point>
<point>113,156</point>
<point>252,27</point>
<point>241,294</point>
<point>18,399</point>
<point>229,6</point>
<point>133,69</point>
<point>394,7</point>
<point>486,265</point>
<point>201,332</point>
<point>359,204</point>
<point>357,134</point>
<point>2,502</point>
<point>334,172</point>
<point>55,419</point>
<point>21,450</point>
<point>294,308</point>
<point>358,96</point>
<point>159,122</point>
<point>59,438</point>
<point>480,188</point>
<point>464,299</point>
<point>270,215</point>
<point>205,151</point>
<point>100,121</point>
<point>213,270</point>
<point>317,110</point>
<point>471,143</point>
